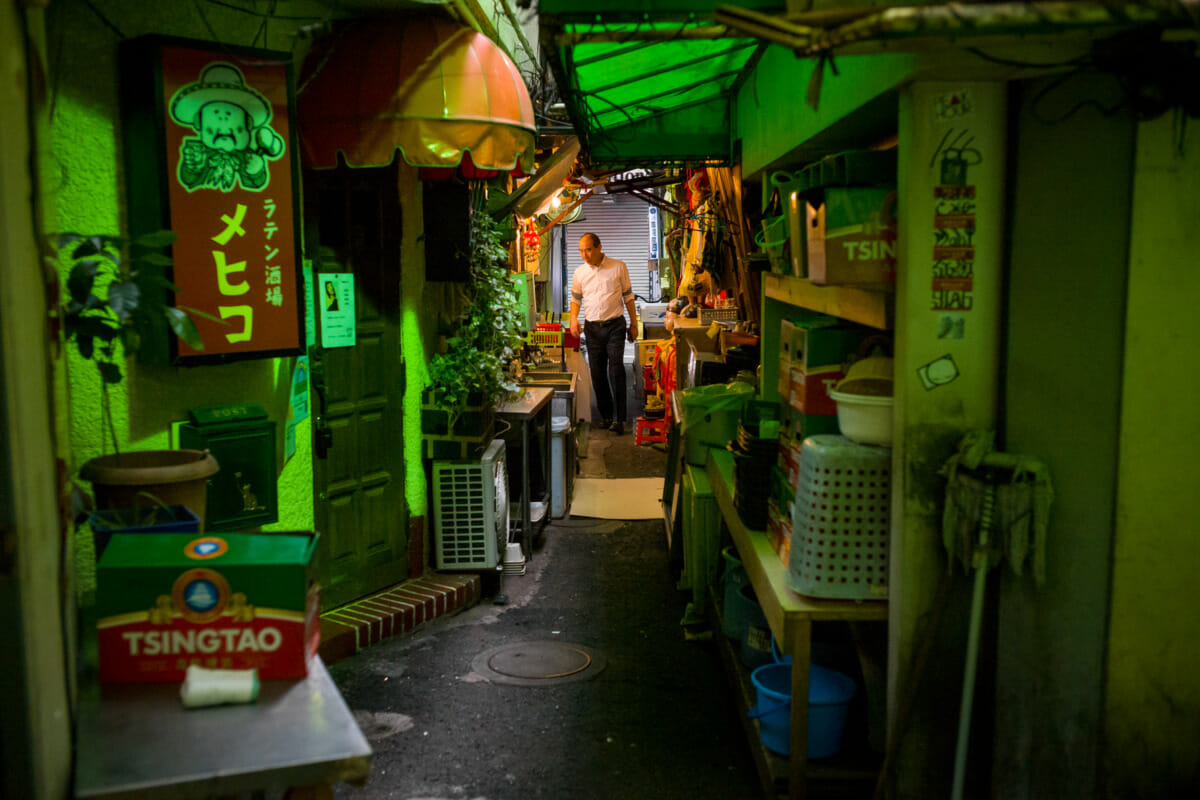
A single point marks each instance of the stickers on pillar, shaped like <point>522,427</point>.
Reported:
<point>938,372</point>
<point>952,326</point>
<point>953,282</point>
<point>953,105</point>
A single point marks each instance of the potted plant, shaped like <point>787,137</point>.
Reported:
<point>115,287</point>
<point>472,374</point>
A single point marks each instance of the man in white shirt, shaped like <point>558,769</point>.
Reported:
<point>602,286</point>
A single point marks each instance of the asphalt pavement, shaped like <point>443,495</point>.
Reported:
<point>650,716</point>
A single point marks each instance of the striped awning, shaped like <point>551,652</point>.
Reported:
<point>440,94</point>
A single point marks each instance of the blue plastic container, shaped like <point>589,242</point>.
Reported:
<point>757,642</point>
<point>150,519</point>
<point>829,695</point>
<point>736,608</point>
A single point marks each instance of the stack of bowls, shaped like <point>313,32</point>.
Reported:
<point>752,460</point>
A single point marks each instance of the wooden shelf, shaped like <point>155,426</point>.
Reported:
<point>790,617</point>
<point>773,768</point>
<point>873,307</point>
<point>769,574</point>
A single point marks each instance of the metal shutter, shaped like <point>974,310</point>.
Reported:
<point>623,226</point>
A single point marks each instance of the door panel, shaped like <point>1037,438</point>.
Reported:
<point>359,478</point>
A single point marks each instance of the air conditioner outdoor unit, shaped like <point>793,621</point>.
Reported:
<point>470,506</point>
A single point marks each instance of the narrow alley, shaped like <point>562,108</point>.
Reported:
<point>656,721</point>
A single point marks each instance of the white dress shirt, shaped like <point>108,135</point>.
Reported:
<point>603,290</point>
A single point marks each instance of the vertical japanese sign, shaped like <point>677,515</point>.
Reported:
<point>952,291</point>
<point>226,186</point>
<point>653,220</point>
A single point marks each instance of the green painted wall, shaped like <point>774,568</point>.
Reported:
<point>777,127</point>
<point>1065,333</point>
<point>84,180</point>
<point>1152,702</point>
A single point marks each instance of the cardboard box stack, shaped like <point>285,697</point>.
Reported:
<point>850,218</point>
<point>813,351</point>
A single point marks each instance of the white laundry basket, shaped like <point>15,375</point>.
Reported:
<point>840,520</point>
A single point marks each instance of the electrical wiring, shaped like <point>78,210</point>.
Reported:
<point>107,22</point>
<point>255,13</point>
<point>1039,98</point>
<point>1074,62</point>
<point>238,59</point>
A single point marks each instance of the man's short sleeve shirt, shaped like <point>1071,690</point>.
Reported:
<point>602,290</point>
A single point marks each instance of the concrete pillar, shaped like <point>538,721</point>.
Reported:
<point>951,183</point>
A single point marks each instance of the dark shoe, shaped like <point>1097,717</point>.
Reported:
<point>605,424</point>
<point>618,427</point>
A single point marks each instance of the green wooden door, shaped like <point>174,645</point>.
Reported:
<point>353,218</point>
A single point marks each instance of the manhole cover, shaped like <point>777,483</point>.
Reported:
<point>538,663</point>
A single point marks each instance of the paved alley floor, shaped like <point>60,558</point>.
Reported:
<point>658,721</point>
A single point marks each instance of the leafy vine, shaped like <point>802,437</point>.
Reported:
<point>487,335</point>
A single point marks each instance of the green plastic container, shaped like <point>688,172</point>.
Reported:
<point>710,417</point>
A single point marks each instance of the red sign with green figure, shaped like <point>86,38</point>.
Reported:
<point>229,178</point>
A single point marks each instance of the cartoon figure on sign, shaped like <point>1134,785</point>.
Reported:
<point>236,139</point>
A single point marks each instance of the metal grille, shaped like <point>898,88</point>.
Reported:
<point>840,520</point>
<point>623,226</point>
<point>470,500</point>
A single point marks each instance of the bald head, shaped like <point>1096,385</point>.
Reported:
<point>589,249</point>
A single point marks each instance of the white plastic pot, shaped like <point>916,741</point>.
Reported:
<point>866,419</point>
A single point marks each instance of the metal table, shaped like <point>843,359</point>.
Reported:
<point>531,405</point>
<point>138,741</point>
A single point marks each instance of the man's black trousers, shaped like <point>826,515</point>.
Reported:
<point>606,363</point>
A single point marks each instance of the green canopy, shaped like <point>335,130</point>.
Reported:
<point>642,92</point>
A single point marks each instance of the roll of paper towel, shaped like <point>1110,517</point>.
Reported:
<point>214,687</point>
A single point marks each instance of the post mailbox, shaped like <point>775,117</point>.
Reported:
<point>243,493</point>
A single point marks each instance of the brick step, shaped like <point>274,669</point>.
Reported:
<point>399,609</point>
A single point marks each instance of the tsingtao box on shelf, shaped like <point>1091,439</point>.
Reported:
<point>225,601</point>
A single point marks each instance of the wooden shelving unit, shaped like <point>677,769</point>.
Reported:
<point>790,617</point>
<point>873,307</point>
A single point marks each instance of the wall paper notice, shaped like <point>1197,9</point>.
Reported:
<point>336,301</point>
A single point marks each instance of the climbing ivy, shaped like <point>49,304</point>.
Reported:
<point>486,337</point>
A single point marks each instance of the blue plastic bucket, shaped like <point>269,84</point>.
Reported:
<point>757,642</point>
<point>829,695</point>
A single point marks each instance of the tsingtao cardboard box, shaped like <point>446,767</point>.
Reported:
<point>223,601</point>
<point>852,236</point>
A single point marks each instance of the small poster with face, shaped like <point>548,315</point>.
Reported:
<point>335,300</point>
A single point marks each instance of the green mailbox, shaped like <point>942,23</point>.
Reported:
<point>243,493</point>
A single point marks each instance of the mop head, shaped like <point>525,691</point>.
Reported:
<point>997,506</point>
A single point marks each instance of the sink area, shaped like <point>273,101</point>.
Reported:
<point>554,376</point>
<point>563,384</point>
